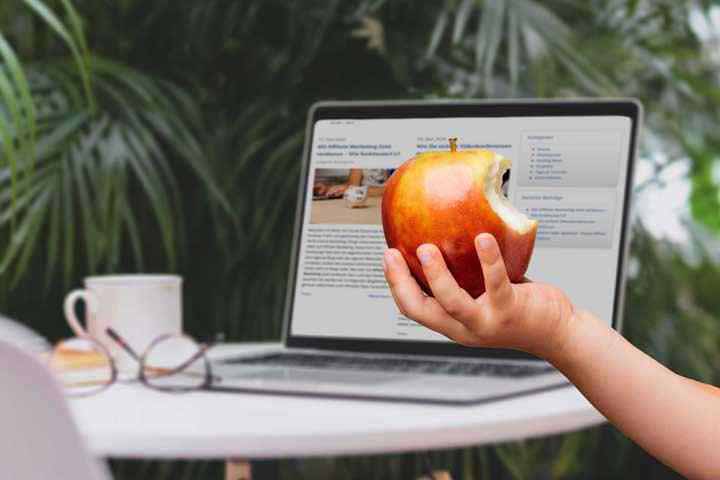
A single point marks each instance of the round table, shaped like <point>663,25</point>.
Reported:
<point>130,420</point>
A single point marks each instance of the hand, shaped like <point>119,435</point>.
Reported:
<point>335,191</point>
<point>320,189</point>
<point>533,317</point>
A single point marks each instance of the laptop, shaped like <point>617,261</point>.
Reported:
<point>343,335</point>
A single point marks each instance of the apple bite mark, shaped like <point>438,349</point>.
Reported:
<point>499,202</point>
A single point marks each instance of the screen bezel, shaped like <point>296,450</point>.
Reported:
<point>630,108</point>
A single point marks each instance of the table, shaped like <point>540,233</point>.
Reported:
<point>335,211</point>
<point>132,421</point>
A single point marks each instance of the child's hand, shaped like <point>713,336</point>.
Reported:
<point>533,317</point>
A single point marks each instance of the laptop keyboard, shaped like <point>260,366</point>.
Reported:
<point>393,365</point>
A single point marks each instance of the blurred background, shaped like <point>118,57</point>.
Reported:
<point>148,136</point>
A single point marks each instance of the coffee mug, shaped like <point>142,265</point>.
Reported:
<point>356,196</point>
<point>138,307</point>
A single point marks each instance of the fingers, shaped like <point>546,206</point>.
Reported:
<point>408,296</point>
<point>336,190</point>
<point>414,304</point>
<point>456,301</point>
<point>405,290</point>
<point>499,291</point>
<point>452,311</point>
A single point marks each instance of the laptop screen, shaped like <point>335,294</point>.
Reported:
<point>568,172</point>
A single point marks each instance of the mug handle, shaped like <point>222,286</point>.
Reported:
<point>69,307</point>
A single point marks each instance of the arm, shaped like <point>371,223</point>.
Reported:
<point>354,179</point>
<point>674,418</point>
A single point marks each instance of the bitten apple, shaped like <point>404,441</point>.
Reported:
<point>447,198</point>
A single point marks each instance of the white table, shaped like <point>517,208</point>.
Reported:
<point>336,211</point>
<point>134,421</point>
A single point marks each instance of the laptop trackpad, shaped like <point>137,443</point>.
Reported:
<point>304,375</point>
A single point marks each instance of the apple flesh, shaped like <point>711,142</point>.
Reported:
<point>447,199</point>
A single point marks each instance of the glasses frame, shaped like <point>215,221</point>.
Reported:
<point>143,367</point>
<point>203,347</point>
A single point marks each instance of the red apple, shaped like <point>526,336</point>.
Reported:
<point>447,198</point>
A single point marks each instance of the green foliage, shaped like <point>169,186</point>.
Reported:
<point>95,168</point>
<point>141,136</point>
<point>705,197</point>
<point>521,34</point>
<point>101,167</point>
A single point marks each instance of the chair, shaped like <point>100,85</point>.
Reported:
<point>38,439</point>
<point>22,336</point>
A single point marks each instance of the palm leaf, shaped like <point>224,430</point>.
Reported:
<point>94,166</point>
<point>75,41</point>
<point>545,38</point>
<point>437,33</point>
<point>462,16</point>
<point>17,118</point>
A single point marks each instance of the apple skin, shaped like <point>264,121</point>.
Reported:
<point>439,198</point>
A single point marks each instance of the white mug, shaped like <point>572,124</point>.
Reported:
<point>355,196</point>
<point>139,308</point>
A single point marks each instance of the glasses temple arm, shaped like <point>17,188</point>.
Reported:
<point>120,341</point>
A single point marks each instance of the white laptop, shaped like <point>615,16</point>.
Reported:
<point>344,336</point>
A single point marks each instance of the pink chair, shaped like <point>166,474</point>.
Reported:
<point>38,439</point>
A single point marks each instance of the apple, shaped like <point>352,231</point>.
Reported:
<point>447,198</point>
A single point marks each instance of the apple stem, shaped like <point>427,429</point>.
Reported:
<point>453,144</point>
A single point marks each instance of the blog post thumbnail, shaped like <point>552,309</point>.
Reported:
<point>348,195</point>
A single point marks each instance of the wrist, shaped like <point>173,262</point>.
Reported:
<point>579,328</point>
<point>564,331</point>
<point>553,329</point>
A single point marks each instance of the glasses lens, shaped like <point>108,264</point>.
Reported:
<point>175,363</point>
<point>82,366</point>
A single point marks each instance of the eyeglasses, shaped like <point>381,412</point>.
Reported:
<point>170,363</point>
